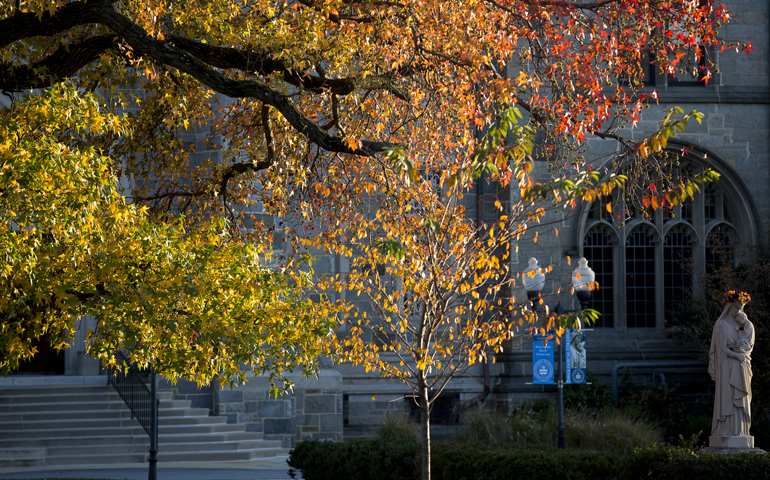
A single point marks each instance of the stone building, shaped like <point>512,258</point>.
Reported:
<point>638,264</point>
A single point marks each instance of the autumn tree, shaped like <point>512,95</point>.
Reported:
<point>438,293</point>
<point>191,303</point>
<point>302,96</point>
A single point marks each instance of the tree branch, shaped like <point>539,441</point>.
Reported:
<point>66,61</point>
<point>264,64</point>
<point>24,25</point>
<point>76,13</point>
<point>174,57</point>
<point>268,135</point>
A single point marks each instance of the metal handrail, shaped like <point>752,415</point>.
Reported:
<point>652,365</point>
<point>142,402</point>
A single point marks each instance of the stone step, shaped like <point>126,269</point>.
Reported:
<point>88,459</point>
<point>91,425</point>
<point>122,430</point>
<point>74,433</point>
<point>211,438</point>
<point>119,449</point>
<point>141,439</point>
<point>220,456</point>
<point>190,429</point>
<point>201,446</point>
<point>71,414</point>
<point>80,441</point>
<point>22,457</point>
<point>242,435</point>
<point>182,412</point>
<point>186,457</point>
<point>104,423</point>
<point>101,414</point>
<point>95,424</point>
<point>47,391</point>
<point>56,398</point>
<point>191,420</point>
<point>89,405</point>
<point>165,448</point>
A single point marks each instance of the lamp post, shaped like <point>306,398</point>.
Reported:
<point>560,436</point>
<point>533,282</point>
<point>581,277</point>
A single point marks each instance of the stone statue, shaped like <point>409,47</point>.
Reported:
<point>732,342</point>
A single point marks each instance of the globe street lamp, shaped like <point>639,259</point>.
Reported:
<point>533,282</point>
<point>581,278</point>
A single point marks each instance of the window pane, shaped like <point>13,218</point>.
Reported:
<point>720,247</point>
<point>710,203</point>
<point>598,251</point>
<point>640,279</point>
<point>677,268</point>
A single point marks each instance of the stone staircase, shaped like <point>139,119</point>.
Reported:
<point>91,425</point>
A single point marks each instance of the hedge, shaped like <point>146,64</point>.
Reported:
<point>356,460</point>
<point>389,460</point>
<point>674,463</point>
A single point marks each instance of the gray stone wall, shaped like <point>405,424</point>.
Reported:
<point>314,410</point>
<point>200,397</point>
<point>363,413</point>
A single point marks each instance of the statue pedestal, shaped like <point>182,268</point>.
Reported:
<point>743,441</point>
<point>732,445</point>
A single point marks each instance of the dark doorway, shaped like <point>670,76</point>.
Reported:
<point>46,361</point>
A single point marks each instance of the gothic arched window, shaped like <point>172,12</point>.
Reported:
<point>646,264</point>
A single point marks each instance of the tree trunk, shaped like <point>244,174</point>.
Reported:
<point>425,431</point>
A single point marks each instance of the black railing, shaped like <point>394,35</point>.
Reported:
<point>142,402</point>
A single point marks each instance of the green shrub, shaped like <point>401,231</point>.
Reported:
<point>356,460</point>
<point>541,462</point>
<point>399,428</point>
<point>613,432</point>
<point>678,463</point>
<point>395,460</point>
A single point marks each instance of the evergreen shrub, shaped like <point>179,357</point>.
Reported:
<point>370,459</point>
<point>677,463</point>
<point>394,460</point>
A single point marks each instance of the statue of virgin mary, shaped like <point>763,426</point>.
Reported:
<point>732,342</point>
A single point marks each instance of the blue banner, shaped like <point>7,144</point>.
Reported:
<point>542,359</point>
<point>576,356</point>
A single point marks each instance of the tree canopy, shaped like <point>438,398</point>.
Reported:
<point>299,100</point>
<point>308,78</point>
<point>191,303</point>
